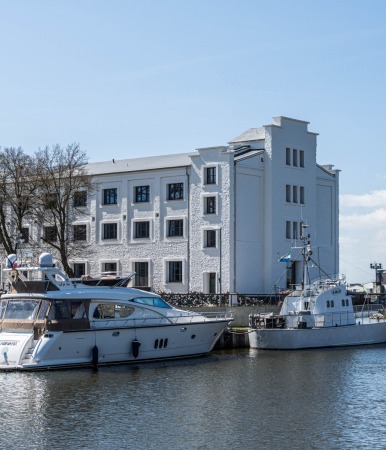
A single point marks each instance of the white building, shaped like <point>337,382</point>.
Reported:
<point>216,219</point>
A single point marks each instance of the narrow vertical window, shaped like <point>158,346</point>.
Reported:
<point>175,272</point>
<point>295,194</point>
<point>210,238</point>
<point>141,274</point>
<point>294,230</point>
<point>295,157</point>
<point>288,156</point>
<point>288,193</point>
<point>211,175</point>
<point>301,158</point>
<point>288,229</point>
<point>212,283</point>
<point>210,205</point>
<point>302,195</point>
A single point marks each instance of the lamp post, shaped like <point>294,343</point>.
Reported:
<point>376,267</point>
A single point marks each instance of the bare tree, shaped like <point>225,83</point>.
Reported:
<point>63,177</point>
<point>18,186</point>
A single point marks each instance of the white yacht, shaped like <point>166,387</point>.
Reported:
<point>318,314</point>
<point>49,321</point>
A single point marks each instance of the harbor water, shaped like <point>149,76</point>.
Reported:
<point>240,399</point>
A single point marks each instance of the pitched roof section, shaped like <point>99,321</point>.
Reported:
<point>140,164</point>
<point>252,134</point>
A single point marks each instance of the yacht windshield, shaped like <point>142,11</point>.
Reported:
<point>152,301</point>
<point>22,309</point>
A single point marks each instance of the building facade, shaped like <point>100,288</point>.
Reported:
<point>214,220</point>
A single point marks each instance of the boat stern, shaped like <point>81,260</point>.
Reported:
<point>14,348</point>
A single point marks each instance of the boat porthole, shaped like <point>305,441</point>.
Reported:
<point>161,343</point>
<point>193,336</point>
<point>156,343</point>
<point>165,342</point>
<point>215,334</point>
<point>116,333</point>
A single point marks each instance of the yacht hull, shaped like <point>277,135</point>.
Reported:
<point>340,336</point>
<point>93,347</point>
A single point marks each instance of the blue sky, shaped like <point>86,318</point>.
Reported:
<point>133,78</point>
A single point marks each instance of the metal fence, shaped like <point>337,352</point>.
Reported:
<point>198,299</point>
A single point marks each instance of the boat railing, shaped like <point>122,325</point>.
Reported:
<point>182,319</point>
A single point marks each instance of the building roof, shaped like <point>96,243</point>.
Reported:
<point>140,164</point>
<point>252,134</point>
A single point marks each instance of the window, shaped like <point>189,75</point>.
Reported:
<point>176,191</point>
<point>288,193</point>
<point>210,238</point>
<point>142,194</point>
<point>110,231</point>
<point>210,205</point>
<point>288,156</point>
<point>109,268</point>
<point>80,199</point>
<point>80,232</point>
<point>175,272</point>
<point>301,158</point>
<point>141,274</point>
<point>302,195</point>
<point>24,235</point>
<point>294,230</point>
<point>79,269</point>
<point>51,200</point>
<point>141,229</point>
<point>211,175</point>
<point>176,227</point>
<point>295,194</point>
<point>288,229</point>
<point>110,196</point>
<point>212,283</point>
<point>295,157</point>
<point>50,234</point>
<point>111,311</point>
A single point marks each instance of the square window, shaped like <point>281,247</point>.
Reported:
<point>109,268</point>
<point>210,238</point>
<point>141,229</point>
<point>142,194</point>
<point>175,272</point>
<point>110,231</point>
<point>79,269</point>
<point>210,205</point>
<point>50,234</point>
<point>110,196</point>
<point>176,191</point>
<point>80,232</point>
<point>175,227</point>
<point>211,175</point>
<point>141,274</point>
<point>80,199</point>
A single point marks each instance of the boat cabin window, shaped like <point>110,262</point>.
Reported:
<point>22,309</point>
<point>78,310</point>
<point>111,311</point>
<point>152,301</point>
<point>59,310</point>
<point>43,309</point>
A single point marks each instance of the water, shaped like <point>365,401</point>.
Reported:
<point>244,399</point>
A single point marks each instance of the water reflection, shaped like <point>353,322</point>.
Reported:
<point>244,399</point>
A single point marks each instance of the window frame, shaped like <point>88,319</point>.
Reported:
<point>137,224</point>
<point>110,196</point>
<point>77,226</point>
<point>175,276</point>
<point>142,194</point>
<point>79,199</point>
<point>105,225</point>
<point>210,175</point>
<point>175,191</point>
<point>180,227</point>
